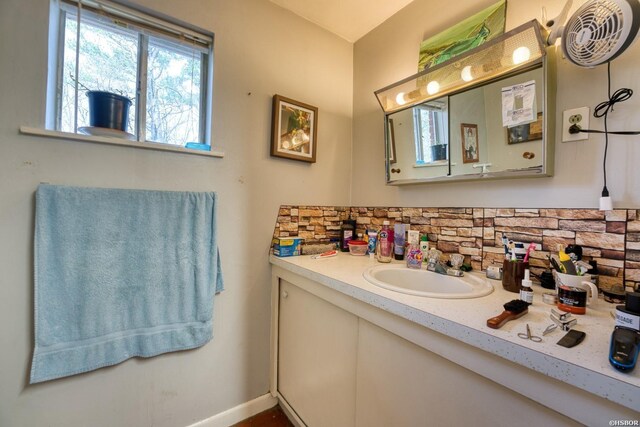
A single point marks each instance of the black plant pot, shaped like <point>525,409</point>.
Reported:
<point>108,110</point>
<point>438,152</point>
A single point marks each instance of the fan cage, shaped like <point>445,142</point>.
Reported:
<point>594,33</point>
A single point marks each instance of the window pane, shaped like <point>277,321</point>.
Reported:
<point>173,92</point>
<point>108,62</point>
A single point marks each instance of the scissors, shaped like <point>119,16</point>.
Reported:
<point>528,335</point>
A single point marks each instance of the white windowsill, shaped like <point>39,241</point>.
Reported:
<point>433,164</point>
<point>116,141</point>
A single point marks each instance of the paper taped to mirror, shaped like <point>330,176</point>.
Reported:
<point>519,104</point>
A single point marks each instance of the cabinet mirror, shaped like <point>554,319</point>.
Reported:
<point>497,127</point>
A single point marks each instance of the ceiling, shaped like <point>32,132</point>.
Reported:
<point>349,19</point>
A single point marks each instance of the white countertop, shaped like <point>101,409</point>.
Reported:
<point>585,366</point>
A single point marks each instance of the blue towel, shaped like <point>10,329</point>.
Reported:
<point>120,274</point>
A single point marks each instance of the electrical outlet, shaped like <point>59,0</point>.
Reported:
<point>578,117</point>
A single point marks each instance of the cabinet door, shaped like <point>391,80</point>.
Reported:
<point>401,384</point>
<point>317,344</point>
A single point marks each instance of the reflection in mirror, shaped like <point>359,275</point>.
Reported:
<point>479,143</point>
<point>418,141</point>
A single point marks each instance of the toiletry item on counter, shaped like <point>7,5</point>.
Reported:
<point>433,259</point>
<point>398,241</point>
<point>565,260</point>
<point>505,243</point>
<point>625,340</point>
<point>552,327</point>
<point>512,310</point>
<point>574,251</point>
<point>550,298</point>
<point>528,335</point>
<point>519,252</point>
<point>318,248</point>
<point>358,247</point>
<point>347,232</point>
<point>564,320</point>
<point>413,238</point>
<point>414,255</point>
<point>372,241</point>
<point>494,272</point>
<point>424,246</point>
<point>526,291</point>
<point>615,295</point>
<point>385,243</point>
<point>327,254</point>
<point>530,248</point>
<point>572,338</point>
<point>287,246</point>
<point>573,292</point>
<point>512,275</point>
<point>547,281</point>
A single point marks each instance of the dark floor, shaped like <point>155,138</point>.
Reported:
<point>273,417</point>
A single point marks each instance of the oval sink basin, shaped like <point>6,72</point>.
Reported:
<point>397,277</point>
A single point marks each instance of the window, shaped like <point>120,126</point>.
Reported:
<point>165,69</point>
<point>430,122</point>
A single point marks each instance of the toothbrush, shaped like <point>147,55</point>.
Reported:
<point>505,243</point>
<point>530,248</point>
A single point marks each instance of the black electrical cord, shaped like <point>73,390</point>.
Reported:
<point>602,110</point>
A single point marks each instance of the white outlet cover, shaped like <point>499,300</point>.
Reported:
<point>570,137</point>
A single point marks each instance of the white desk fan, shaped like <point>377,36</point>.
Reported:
<point>597,32</point>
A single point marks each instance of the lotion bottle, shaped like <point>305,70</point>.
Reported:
<point>385,243</point>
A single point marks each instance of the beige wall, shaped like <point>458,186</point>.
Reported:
<point>390,53</point>
<point>259,49</point>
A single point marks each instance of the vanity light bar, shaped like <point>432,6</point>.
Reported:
<point>513,51</point>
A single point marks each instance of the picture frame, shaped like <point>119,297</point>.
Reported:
<point>294,129</point>
<point>473,31</point>
<point>525,133</point>
<point>392,142</point>
<point>470,146</point>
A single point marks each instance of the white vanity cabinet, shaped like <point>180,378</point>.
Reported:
<point>401,384</point>
<point>316,357</point>
<point>341,358</point>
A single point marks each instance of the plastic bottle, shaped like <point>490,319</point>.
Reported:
<point>385,242</point>
<point>526,292</point>
<point>398,241</point>
<point>424,246</point>
<point>346,233</point>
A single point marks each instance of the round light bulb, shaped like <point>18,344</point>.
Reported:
<point>465,74</point>
<point>520,55</point>
<point>433,87</point>
<point>400,100</point>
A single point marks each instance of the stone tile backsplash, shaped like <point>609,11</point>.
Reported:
<point>611,238</point>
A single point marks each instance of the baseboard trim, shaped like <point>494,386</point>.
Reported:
<point>239,413</point>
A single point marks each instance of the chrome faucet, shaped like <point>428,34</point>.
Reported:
<point>434,264</point>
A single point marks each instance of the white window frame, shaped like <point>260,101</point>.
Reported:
<point>440,123</point>
<point>145,23</point>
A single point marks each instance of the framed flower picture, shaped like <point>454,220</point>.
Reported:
<point>294,129</point>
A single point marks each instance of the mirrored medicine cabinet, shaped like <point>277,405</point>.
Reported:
<point>488,113</point>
